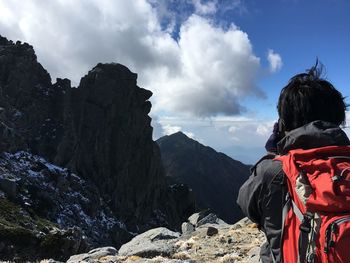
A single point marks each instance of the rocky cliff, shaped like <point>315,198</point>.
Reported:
<point>31,107</point>
<point>214,177</point>
<point>108,139</point>
<point>100,132</point>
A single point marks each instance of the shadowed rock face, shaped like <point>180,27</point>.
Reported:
<point>48,212</point>
<point>31,116</point>
<point>108,138</point>
<point>100,131</point>
<point>214,177</point>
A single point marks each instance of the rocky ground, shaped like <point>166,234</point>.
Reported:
<point>204,239</point>
<point>41,206</point>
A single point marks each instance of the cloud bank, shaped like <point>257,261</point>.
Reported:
<point>203,71</point>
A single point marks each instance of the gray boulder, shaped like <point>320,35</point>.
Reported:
<point>204,218</point>
<point>155,242</point>
<point>93,255</point>
<point>187,228</point>
<point>209,219</point>
<point>196,217</point>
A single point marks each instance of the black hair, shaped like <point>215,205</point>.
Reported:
<point>308,97</point>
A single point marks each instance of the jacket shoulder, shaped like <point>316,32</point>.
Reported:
<point>267,168</point>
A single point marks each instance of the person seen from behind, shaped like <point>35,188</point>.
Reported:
<point>311,111</point>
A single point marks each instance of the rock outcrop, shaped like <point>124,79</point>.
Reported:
<point>108,140</point>
<point>214,177</point>
<point>99,132</point>
<point>48,211</point>
<point>211,242</point>
<point>31,107</point>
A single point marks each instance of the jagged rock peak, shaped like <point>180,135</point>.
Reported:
<point>108,140</point>
<point>32,118</point>
<point>117,70</point>
<point>19,45</point>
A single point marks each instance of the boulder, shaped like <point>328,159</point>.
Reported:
<point>155,242</point>
<point>93,255</point>
<point>205,217</point>
<point>209,219</point>
<point>196,217</point>
<point>211,231</point>
<point>187,228</point>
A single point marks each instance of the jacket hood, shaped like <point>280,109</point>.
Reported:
<point>313,135</point>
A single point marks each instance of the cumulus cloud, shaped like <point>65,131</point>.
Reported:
<point>205,71</point>
<point>218,70</point>
<point>205,8</point>
<point>251,132</point>
<point>169,129</point>
<point>275,60</point>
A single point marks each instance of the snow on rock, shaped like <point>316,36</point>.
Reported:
<point>39,189</point>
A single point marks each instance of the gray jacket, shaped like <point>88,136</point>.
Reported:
<point>262,196</point>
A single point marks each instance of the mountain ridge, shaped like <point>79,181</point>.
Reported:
<point>214,177</point>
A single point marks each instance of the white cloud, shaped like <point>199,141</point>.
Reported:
<point>347,127</point>
<point>251,132</point>
<point>169,129</point>
<point>206,72</point>
<point>218,69</point>
<point>205,8</point>
<point>264,129</point>
<point>161,128</point>
<point>190,135</point>
<point>275,61</point>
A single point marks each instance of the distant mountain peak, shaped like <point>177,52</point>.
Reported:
<point>179,135</point>
<point>213,176</point>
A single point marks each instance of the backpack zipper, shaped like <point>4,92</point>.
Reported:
<point>331,229</point>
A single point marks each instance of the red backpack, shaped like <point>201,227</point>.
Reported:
<point>316,214</point>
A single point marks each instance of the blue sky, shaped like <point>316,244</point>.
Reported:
<point>300,31</point>
<point>215,67</point>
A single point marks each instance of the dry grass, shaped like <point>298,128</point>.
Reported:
<point>229,258</point>
<point>181,255</point>
<point>132,258</point>
<point>185,244</point>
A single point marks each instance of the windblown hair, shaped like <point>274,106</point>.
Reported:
<point>308,97</point>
